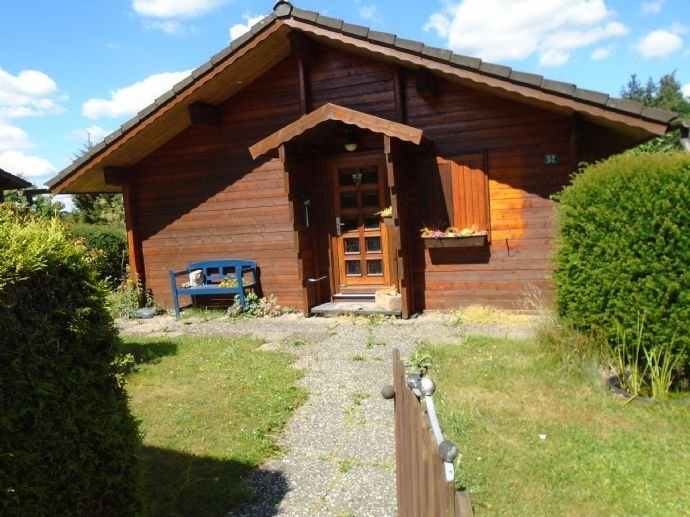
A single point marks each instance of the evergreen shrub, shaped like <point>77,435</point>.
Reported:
<point>623,253</point>
<point>110,245</point>
<point>68,443</point>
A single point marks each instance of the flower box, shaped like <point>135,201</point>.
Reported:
<point>387,301</point>
<point>459,241</point>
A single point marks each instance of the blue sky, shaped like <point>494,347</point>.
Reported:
<point>68,69</point>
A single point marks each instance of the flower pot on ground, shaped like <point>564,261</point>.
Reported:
<point>388,299</point>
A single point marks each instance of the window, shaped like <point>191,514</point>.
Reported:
<point>458,192</point>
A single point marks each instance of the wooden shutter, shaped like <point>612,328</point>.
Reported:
<point>436,179</point>
<point>465,182</point>
<point>457,192</point>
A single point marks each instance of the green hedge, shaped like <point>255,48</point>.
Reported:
<point>110,243</point>
<point>68,443</point>
<point>624,247</point>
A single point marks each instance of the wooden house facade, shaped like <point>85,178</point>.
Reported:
<point>284,147</point>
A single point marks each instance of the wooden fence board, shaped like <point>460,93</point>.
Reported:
<point>422,489</point>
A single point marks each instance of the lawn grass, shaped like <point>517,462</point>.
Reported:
<point>209,411</point>
<point>595,455</point>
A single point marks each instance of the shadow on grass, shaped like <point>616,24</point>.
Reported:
<point>177,483</point>
<point>147,351</point>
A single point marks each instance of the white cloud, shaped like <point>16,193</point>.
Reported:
<point>652,7</point>
<point>28,166</point>
<point>369,13</point>
<point>93,134</point>
<point>516,29</point>
<point>13,138</point>
<point>600,53</point>
<point>167,26</point>
<point>129,100</point>
<point>686,91</point>
<point>659,43</point>
<point>238,29</point>
<point>553,57</point>
<point>30,93</point>
<point>174,8</point>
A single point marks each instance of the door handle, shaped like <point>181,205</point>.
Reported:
<point>338,226</point>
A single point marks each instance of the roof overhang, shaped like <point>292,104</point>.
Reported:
<point>267,44</point>
<point>10,181</point>
<point>333,112</point>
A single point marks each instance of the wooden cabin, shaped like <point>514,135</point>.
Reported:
<point>283,148</point>
<point>11,182</point>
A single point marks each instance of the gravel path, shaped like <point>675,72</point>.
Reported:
<point>339,446</point>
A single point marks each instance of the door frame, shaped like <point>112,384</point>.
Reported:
<point>387,243</point>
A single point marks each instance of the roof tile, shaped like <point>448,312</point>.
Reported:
<point>625,105</point>
<point>218,57</point>
<point>241,40</point>
<point>495,70</point>
<point>183,83</point>
<point>303,14</point>
<point>558,87</point>
<point>198,72</point>
<point>129,124</point>
<point>283,9</point>
<point>657,114</point>
<point>165,97</point>
<point>383,38</point>
<point>98,147</point>
<point>113,136</point>
<point>465,61</point>
<point>526,78</point>
<point>358,31</point>
<point>147,111</point>
<point>409,45</point>
<point>331,23</point>
<point>591,96</point>
<point>439,54</point>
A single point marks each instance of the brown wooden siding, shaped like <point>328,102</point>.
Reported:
<point>200,196</point>
<point>515,138</point>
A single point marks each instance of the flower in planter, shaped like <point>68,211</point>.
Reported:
<point>434,233</point>
<point>451,232</point>
<point>386,212</point>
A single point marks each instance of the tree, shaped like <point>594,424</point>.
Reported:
<point>100,209</point>
<point>105,209</point>
<point>664,94</point>
<point>43,205</point>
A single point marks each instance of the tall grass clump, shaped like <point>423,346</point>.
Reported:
<point>623,251</point>
<point>68,443</point>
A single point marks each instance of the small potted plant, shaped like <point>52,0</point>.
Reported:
<point>387,215</point>
<point>388,298</point>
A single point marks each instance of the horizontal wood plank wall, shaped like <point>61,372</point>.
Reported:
<point>201,196</point>
<point>515,138</point>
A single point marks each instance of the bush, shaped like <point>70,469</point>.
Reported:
<point>68,443</point>
<point>110,244</point>
<point>623,252</point>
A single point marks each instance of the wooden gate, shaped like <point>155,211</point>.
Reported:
<point>425,481</point>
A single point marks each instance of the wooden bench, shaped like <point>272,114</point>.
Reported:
<point>213,273</point>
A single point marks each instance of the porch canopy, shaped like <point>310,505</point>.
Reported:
<point>332,113</point>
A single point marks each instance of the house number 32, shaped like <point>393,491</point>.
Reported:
<point>551,159</point>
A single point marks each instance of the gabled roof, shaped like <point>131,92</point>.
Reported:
<point>10,181</point>
<point>266,44</point>
<point>333,112</point>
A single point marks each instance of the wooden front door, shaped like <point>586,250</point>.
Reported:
<point>359,245</point>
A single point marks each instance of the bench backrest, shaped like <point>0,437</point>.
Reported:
<point>216,270</point>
